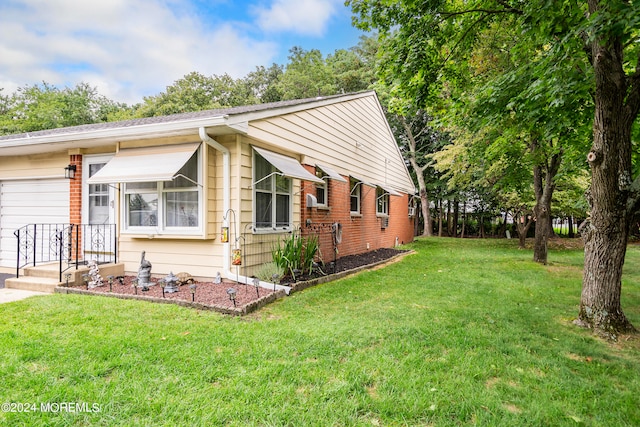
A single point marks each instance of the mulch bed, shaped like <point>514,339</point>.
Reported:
<point>211,296</point>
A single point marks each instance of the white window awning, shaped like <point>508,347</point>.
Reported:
<point>331,173</point>
<point>288,166</point>
<point>146,164</point>
<point>388,190</point>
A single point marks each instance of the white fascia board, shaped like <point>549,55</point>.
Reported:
<point>150,130</point>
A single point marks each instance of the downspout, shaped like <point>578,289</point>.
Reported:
<point>226,206</point>
<point>226,184</point>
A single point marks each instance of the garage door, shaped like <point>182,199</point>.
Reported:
<point>43,201</point>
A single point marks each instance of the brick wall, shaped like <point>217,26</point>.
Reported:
<point>363,232</point>
<point>75,196</point>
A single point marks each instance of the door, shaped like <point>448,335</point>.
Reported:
<point>31,201</point>
<point>98,228</point>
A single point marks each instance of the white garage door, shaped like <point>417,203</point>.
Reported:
<point>42,201</point>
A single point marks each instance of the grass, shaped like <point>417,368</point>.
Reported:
<point>463,332</point>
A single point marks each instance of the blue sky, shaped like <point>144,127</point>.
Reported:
<point>129,49</point>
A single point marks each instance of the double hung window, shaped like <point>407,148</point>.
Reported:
<point>356,191</point>
<point>167,206</point>
<point>382,199</point>
<point>272,196</point>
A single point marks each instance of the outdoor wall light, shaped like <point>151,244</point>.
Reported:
<point>70,172</point>
<point>192,288</point>
<point>232,295</point>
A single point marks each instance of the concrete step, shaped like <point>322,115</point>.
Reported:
<point>50,271</point>
<point>28,283</point>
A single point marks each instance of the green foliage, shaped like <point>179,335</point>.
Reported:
<point>267,271</point>
<point>463,332</point>
<point>43,106</point>
<point>295,254</point>
<point>196,92</point>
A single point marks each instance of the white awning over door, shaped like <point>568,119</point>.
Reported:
<point>146,164</point>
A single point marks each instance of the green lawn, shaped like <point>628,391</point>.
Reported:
<point>464,332</point>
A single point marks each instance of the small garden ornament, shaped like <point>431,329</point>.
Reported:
<point>144,273</point>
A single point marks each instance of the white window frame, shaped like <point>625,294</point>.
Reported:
<point>161,227</point>
<point>324,187</point>
<point>355,193</point>
<point>87,161</point>
<point>273,191</point>
<point>382,202</point>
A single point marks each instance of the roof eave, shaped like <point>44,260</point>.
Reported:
<point>92,138</point>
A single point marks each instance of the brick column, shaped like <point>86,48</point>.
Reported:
<point>75,202</point>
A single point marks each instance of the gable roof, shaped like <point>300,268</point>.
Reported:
<point>218,122</point>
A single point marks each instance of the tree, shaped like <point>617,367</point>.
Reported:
<point>610,33</point>
<point>44,106</point>
<point>306,75</point>
<point>196,92</point>
<point>426,36</point>
<point>417,140</point>
<point>263,83</point>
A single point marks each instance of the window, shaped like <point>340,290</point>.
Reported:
<point>272,196</point>
<point>382,201</point>
<point>322,190</point>
<point>169,206</point>
<point>98,198</point>
<point>356,189</point>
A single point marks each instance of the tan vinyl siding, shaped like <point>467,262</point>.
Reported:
<point>48,165</point>
<point>352,137</point>
<point>201,258</point>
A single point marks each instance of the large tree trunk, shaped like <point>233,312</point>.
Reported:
<point>422,186</point>
<point>571,232</point>
<point>523,223</point>
<point>611,195</point>
<point>426,212</point>
<point>543,176</point>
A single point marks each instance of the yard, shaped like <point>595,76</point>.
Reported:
<point>463,332</point>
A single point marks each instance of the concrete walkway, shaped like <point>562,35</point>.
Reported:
<point>10,295</point>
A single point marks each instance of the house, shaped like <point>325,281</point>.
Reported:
<point>200,192</point>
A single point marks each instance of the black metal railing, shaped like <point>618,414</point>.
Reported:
<point>69,244</point>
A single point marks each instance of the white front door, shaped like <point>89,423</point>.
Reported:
<point>98,213</point>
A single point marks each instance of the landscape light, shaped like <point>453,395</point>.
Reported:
<point>232,295</point>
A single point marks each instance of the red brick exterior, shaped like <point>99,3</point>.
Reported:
<point>360,233</point>
<point>75,194</point>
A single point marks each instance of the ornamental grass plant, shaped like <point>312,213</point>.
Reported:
<point>462,332</point>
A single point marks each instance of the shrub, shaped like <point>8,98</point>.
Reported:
<point>266,271</point>
<point>295,255</point>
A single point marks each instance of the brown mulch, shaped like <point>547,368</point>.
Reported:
<point>209,295</point>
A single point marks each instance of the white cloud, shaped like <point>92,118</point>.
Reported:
<point>305,17</point>
<point>126,48</point>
